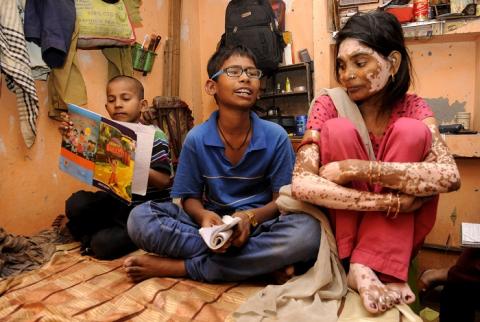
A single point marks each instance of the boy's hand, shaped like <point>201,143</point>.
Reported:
<point>241,231</point>
<point>66,125</point>
<point>209,219</point>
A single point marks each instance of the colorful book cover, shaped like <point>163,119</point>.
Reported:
<point>101,152</point>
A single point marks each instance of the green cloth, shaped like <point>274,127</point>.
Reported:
<point>119,61</point>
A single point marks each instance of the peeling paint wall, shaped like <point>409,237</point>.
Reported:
<point>445,76</point>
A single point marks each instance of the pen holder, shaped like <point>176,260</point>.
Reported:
<point>142,59</point>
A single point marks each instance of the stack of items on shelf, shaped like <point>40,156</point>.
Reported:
<point>408,11</point>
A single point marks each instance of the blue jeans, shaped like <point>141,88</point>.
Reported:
<point>167,230</point>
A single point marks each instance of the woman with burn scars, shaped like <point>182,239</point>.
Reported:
<point>381,207</point>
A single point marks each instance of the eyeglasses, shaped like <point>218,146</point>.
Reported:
<point>237,71</point>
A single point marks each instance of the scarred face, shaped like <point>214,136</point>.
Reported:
<point>361,70</point>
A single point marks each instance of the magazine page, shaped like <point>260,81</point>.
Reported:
<point>102,152</point>
<point>78,149</point>
<point>143,155</point>
<point>115,159</point>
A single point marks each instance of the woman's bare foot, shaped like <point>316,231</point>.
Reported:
<point>404,290</point>
<point>282,275</point>
<point>139,268</point>
<point>432,277</point>
<point>376,297</point>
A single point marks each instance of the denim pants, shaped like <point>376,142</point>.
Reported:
<point>167,230</point>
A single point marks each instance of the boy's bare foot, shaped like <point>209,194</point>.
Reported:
<point>282,275</point>
<point>431,278</point>
<point>375,295</point>
<point>139,268</point>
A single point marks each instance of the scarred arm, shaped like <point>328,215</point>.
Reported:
<point>436,174</point>
<point>308,185</point>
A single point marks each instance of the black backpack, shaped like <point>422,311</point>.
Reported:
<point>252,24</point>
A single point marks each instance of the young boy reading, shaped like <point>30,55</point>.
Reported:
<point>233,164</point>
<point>98,219</point>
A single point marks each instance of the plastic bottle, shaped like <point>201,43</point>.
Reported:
<point>288,88</point>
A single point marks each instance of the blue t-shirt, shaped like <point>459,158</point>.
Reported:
<point>204,171</point>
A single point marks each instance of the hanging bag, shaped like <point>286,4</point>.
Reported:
<point>252,24</point>
<point>103,24</point>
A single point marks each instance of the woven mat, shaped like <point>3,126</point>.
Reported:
<point>72,287</point>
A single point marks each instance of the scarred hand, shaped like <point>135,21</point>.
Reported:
<point>410,203</point>
<point>334,172</point>
<point>241,231</point>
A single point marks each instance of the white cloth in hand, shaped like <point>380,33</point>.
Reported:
<point>216,236</point>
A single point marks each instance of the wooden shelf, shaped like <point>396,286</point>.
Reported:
<point>442,30</point>
<point>267,96</point>
<point>463,145</point>
<point>460,29</point>
<point>286,68</point>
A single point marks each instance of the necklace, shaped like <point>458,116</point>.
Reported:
<point>228,143</point>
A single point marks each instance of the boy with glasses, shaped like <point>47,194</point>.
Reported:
<point>233,164</point>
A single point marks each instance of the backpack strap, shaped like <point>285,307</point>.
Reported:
<point>348,109</point>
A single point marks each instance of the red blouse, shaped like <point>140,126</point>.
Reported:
<point>410,106</point>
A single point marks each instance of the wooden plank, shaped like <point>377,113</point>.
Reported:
<point>175,34</point>
<point>171,71</point>
<point>167,68</point>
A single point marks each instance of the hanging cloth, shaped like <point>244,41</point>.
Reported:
<point>119,61</point>
<point>66,84</point>
<point>49,24</point>
<point>15,64</point>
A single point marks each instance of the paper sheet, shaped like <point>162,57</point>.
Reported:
<point>470,234</point>
<point>143,156</point>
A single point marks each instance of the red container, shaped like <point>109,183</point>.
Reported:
<point>420,10</point>
<point>403,13</point>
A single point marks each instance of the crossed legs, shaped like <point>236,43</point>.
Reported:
<point>378,249</point>
<point>166,230</point>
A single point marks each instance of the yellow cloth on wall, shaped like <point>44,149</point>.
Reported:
<point>119,61</point>
<point>66,84</point>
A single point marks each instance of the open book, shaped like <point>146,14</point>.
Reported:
<point>114,156</point>
<point>216,236</point>
<point>470,235</point>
